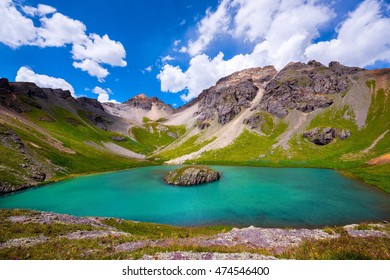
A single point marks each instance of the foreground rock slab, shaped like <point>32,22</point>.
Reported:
<point>206,256</point>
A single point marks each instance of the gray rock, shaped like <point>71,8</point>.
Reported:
<point>323,136</point>
<point>117,138</point>
<point>254,121</point>
<point>173,135</point>
<point>192,175</point>
<point>179,255</point>
<point>344,134</point>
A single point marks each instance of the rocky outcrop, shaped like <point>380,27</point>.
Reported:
<point>255,121</point>
<point>192,175</point>
<point>231,95</point>
<point>35,173</point>
<point>33,95</point>
<point>306,87</point>
<point>85,102</point>
<point>99,121</point>
<point>146,103</point>
<point>323,136</point>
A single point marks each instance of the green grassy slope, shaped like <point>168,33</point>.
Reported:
<point>347,155</point>
<point>153,135</point>
<point>59,140</point>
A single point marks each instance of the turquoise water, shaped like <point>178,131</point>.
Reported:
<point>283,197</point>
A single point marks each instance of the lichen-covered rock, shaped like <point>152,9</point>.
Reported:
<point>192,175</point>
<point>323,136</point>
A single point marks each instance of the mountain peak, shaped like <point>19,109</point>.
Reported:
<point>144,102</point>
<point>140,96</point>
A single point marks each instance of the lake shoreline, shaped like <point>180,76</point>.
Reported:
<point>111,238</point>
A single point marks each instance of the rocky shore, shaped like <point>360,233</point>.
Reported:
<point>249,240</point>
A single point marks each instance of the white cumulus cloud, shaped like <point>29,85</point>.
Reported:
<point>92,68</point>
<point>363,38</point>
<point>23,29</point>
<point>59,30</point>
<point>104,95</point>
<point>91,52</point>
<point>41,10</point>
<point>211,25</point>
<point>25,74</point>
<point>100,49</point>
<point>172,79</point>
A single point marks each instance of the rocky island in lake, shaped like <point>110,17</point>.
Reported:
<point>192,175</point>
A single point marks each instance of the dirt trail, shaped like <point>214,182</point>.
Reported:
<point>286,136</point>
<point>372,146</point>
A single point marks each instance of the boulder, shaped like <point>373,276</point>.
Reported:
<point>118,138</point>
<point>323,136</point>
<point>192,175</point>
<point>254,121</point>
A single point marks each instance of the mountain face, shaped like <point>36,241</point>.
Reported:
<point>306,115</point>
<point>231,95</point>
<point>306,87</point>
<point>140,107</point>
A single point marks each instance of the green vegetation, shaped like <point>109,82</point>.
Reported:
<point>255,147</point>
<point>189,146</point>
<point>371,84</point>
<point>68,141</point>
<point>156,231</point>
<point>154,136</point>
<point>342,248</point>
<point>10,230</point>
<point>374,175</point>
<point>190,247</point>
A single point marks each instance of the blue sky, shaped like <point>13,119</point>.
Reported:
<point>173,49</point>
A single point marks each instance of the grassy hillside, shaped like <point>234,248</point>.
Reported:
<point>60,143</point>
<point>349,155</point>
<point>153,135</point>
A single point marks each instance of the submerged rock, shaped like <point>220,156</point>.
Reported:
<point>192,175</point>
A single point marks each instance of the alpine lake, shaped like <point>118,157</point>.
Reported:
<point>244,196</point>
